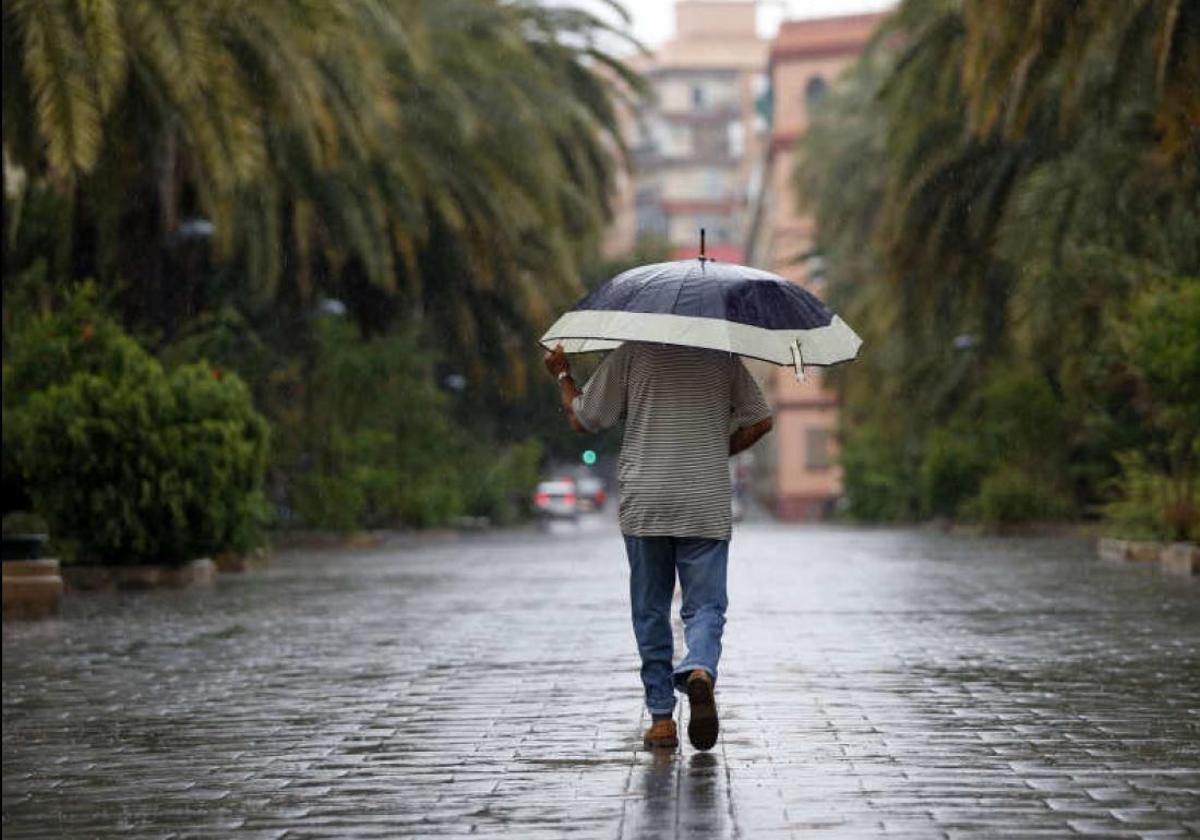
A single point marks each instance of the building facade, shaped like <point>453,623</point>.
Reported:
<point>714,149</point>
<point>799,472</point>
<point>698,146</point>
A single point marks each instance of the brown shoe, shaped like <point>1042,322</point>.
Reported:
<point>661,735</point>
<point>702,722</point>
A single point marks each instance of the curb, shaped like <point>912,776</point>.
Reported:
<point>89,578</point>
<point>1182,559</point>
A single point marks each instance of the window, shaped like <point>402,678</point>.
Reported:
<point>677,141</point>
<point>697,96</point>
<point>817,449</point>
<point>735,136</point>
<point>713,187</point>
<point>814,91</point>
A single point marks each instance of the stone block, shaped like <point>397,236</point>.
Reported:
<point>1136,551</point>
<point>1142,552</point>
<point>235,563</point>
<point>199,572</point>
<point>1180,559</point>
<point>41,567</point>
<point>88,578</point>
<point>196,573</point>
<point>32,588</point>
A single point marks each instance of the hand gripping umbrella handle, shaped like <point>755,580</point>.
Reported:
<point>798,361</point>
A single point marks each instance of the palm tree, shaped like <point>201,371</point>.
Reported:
<point>960,187</point>
<point>144,110</point>
<point>1018,54</point>
<point>341,140</point>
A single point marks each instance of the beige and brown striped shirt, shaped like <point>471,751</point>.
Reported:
<point>680,405</point>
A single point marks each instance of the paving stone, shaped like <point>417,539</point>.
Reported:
<point>875,683</point>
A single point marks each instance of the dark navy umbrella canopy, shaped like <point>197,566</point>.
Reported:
<point>705,303</point>
<point>710,289</point>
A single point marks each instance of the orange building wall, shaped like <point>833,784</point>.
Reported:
<point>803,50</point>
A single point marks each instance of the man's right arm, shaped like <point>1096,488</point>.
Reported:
<point>743,439</point>
<point>751,414</point>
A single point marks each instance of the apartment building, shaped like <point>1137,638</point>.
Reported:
<point>799,467</point>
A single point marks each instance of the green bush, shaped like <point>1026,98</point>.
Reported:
<point>1013,444</point>
<point>146,468</point>
<point>49,349</point>
<point>358,483</point>
<point>950,472</point>
<point>329,500</point>
<point>499,486</point>
<point>1151,504</point>
<point>1017,417</point>
<point>1010,496</point>
<point>376,446</point>
<point>1157,491</point>
<point>41,350</point>
<point>877,479</point>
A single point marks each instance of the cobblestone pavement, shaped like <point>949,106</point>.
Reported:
<point>874,683</point>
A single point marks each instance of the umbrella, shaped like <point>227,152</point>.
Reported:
<point>704,303</point>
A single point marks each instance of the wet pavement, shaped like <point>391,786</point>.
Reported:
<point>874,683</point>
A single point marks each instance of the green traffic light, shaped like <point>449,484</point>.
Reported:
<point>589,456</point>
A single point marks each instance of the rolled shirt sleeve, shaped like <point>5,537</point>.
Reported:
<point>602,401</point>
<point>748,403</point>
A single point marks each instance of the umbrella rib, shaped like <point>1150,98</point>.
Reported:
<point>682,283</point>
<point>645,287</point>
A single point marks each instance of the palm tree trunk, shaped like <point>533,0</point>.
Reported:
<point>168,192</point>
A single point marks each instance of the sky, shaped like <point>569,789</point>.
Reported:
<point>654,20</point>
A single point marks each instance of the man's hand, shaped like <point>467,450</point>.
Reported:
<point>746,437</point>
<point>556,361</point>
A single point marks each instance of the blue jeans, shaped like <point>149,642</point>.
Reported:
<point>653,563</point>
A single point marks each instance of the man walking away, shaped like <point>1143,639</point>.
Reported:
<point>678,404</point>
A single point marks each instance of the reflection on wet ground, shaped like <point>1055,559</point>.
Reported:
<point>680,795</point>
<point>875,683</point>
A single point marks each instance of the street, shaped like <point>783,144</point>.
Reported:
<point>874,682</point>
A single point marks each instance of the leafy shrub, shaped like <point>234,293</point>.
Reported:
<point>12,485</point>
<point>376,445</point>
<point>1017,417</point>
<point>331,500</point>
<point>950,472</point>
<point>1157,492</point>
<point>49,349</point>
<point>1010,495</point>
<point>1161,339</point>
<point>146,468</point>
<point>499,487</point>
<point>877,479</point>
<point>1151,504</point>
<point>1012,443</point>
<point>358,484</point>
<point>223,337</point>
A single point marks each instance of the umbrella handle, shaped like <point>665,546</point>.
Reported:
<point>798,361</point>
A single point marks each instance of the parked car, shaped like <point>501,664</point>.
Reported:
<point>592,494</point>
<point>558,499</point>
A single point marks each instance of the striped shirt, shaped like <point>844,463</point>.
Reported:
<point>680,406</point>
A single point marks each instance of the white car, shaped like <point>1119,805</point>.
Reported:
<point>592,494</point>
<point>556,499</point>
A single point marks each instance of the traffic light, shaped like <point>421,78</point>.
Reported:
<point>589,456</point>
